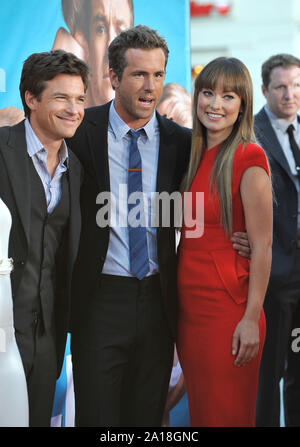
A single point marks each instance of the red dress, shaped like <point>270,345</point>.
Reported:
<point>213,288</point>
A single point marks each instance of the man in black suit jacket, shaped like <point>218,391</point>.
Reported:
<point>123,328</point>
<point>281,87</point>
<point>40,183</point>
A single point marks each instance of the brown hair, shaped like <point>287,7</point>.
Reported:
<point>233,75</point>
<point>278,60</point>
<point>141,37</point>
<point>42,67</point>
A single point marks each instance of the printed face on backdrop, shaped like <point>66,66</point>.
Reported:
<point>283,92</point>
<point>59,110</point>
<point>141,85</point>
<point>218,110</point>
<point>107,19</point>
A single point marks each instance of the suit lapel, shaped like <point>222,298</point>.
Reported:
<point>266,135</point>
<point>16,160</point>
<point>75,216</point>
<point>96,131</point>
<point>166,156</point>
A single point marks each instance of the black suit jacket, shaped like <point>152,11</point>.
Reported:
<point>15,192</point>
<point>90,145</point>
<point>285,201</point>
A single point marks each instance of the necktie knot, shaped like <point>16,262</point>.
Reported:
<point>290,130</point>
<point>134,134</point>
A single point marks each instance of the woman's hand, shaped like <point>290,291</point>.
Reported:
<point>245,341</point>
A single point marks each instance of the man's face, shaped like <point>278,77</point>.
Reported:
<point>59,110</point>
<point>108,19</point>
<point>283,92</point>
<point>141,85</point>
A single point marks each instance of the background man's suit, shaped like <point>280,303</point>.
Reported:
<point>45,313</point>
<point>283,294</point>
<point>91,147</point>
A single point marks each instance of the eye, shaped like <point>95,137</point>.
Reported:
<point>228,96</point>
<point>100,29</point>
<point>206,92</point>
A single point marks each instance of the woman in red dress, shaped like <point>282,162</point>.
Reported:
<point>221,321</point>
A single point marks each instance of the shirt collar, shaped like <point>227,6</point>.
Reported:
<point>280,123</point>
<point>34,145</point>
<point>120,128</point>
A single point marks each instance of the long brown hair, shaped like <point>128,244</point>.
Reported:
<point>233,76</point>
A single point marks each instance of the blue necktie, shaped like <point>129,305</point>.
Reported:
<point>139,259</point>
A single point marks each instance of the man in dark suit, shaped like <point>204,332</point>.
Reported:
<point>278,131</point>
<point>40,183</point>
<point>124,294</point>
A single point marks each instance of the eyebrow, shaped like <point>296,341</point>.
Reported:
<point>103,18</point>
<point>66,95</point>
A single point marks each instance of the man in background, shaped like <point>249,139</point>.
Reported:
<point>277,130</point>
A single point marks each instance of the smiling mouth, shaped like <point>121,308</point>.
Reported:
<point>70,121</point>
<point>214,116</point>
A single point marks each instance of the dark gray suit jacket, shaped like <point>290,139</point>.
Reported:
<point>15,192</point>
<point>285,203</point>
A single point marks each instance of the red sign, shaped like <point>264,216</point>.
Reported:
<point>205,9</point>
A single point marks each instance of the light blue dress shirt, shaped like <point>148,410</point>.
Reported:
<point>38,154</point>
<point>117,259</point>
<point>280,127</point>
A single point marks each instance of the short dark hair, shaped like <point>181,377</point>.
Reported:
<point>77,14</point>
<point>42,67</point>
<point>141,37</point>
<point>278,60</point>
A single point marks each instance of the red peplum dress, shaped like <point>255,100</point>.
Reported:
<point>213,287</point>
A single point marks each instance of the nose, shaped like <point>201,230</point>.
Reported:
<point>216,102</point>
<point>112,33</point>
<point>288,93</point>
<point>72,107</point>
<point>149,83</point>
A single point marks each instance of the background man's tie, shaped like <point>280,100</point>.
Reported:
<point>294,148</point>
<point>139,259</point>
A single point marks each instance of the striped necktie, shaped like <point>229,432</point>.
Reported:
<point>139,259</point>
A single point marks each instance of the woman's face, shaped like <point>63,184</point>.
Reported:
<point>218,110</point>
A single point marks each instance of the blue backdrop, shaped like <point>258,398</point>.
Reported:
<point>28,26</point>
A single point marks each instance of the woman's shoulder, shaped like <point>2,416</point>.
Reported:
<point>250,153</point>
<point>249,149</point>
<point>246,156</point>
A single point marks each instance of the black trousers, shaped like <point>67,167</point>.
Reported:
<point>38,353</point>
<point>282,309</point>
<point>122,358</point>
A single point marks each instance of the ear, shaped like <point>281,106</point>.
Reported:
<point>83,44</point>
<point>264,90</point>
<point>30,100</point>
<point>114,79</point>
